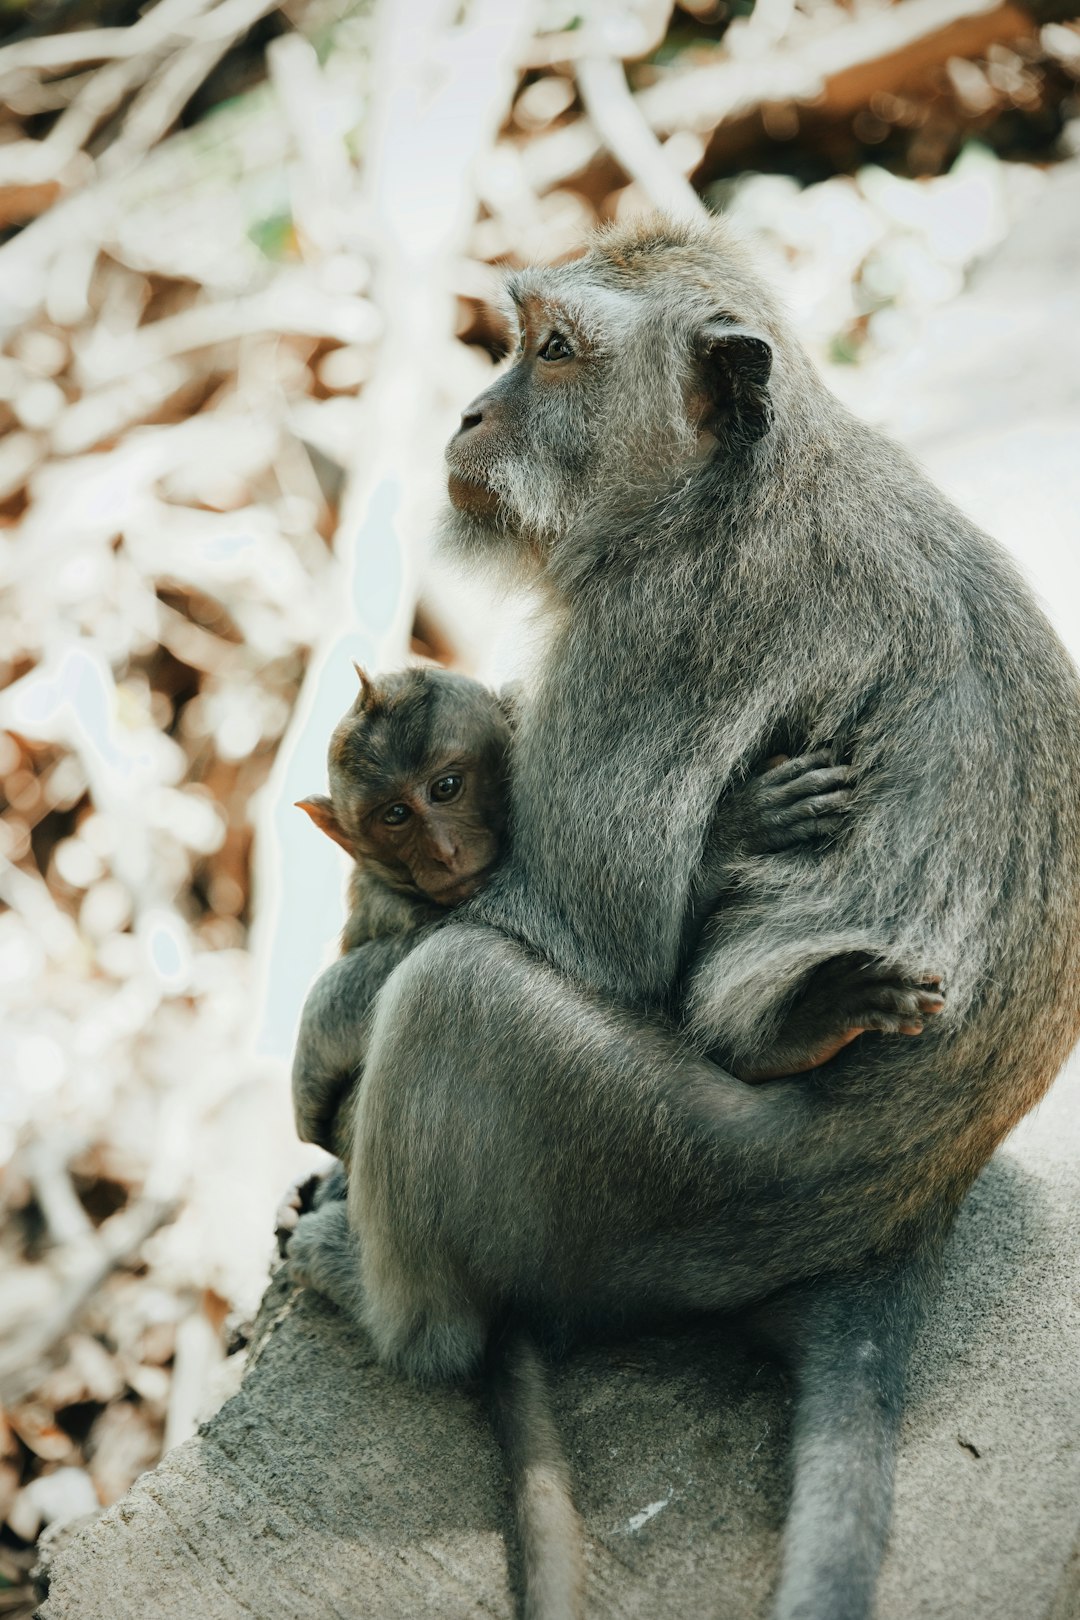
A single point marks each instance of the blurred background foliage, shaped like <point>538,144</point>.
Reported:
<point>198,318</point>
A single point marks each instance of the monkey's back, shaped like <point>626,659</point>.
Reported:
<point>972,746</point>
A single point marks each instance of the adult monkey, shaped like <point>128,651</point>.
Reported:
<point>732,565</point>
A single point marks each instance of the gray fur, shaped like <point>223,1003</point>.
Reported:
<point>725,577</point>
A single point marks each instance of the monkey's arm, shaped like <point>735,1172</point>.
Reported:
<point>331,1044</point>
<point>377,912</point>
<point>793,806</point>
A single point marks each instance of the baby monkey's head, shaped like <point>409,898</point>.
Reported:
<point>418,782</point>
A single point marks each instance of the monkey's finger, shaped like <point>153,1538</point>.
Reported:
<point>806,830</point>
<point>820,779</point>
<point>296,1202</point>
<point>816,804</point>
<point>902,1001</point>
<point>776,774</point>
<point>927,987</point>
<point>883,1023</point>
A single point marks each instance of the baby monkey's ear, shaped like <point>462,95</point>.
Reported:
<point>323,814</point>
<point>365,698</point>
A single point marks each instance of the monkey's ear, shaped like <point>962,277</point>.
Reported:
<point>365,698</point>
<point>736,364</point>
<point>323,814</point>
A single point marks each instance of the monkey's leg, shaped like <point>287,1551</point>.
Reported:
<point>322,1254</point>
<point>849,1341</point>
<point>518,1138</point>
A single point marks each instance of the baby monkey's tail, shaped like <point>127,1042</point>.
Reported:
<point>549,1529</point>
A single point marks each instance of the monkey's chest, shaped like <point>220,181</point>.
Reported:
<point>610,813</point>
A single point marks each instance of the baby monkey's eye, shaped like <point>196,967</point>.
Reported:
<point>556,348</point>
<point>445,788</point>
<point>397,815</point>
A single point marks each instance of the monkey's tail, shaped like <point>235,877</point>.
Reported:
<point>549,1529</point>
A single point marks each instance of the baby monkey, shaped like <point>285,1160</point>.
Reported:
<point>418,773</point>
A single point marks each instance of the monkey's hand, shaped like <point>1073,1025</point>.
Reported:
<point>310,1192</point>
<point>793,804</point>
<point>843,998</point>
<point>334,1027</point>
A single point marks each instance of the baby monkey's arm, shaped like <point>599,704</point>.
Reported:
<point>791,806</point>
<point>334,1027</point>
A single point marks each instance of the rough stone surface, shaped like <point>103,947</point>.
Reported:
<point>326,1488</point>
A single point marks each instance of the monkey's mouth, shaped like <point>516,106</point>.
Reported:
<point>469,496</point>
<point>463,888</point>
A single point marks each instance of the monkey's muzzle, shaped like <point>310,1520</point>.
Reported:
<point>463,888</point>
<point>475,499</point>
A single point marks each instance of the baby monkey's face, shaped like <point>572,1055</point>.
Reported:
<point>418,783</point>
<point>437,829</point>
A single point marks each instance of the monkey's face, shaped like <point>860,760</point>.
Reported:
<point>629,370</point>
<point>520,465</point>
<point>418,783</point>
<point>439,832</point>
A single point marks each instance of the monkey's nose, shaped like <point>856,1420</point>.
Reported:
<point>470,419</point>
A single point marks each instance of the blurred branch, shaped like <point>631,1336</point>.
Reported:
<point>99,94</point>
<point>50,53</point>
<point>66,1221</point>
<point>443,84</point>
<point>169,53</point>
<point>618,119</point>
<point>160,103</point>
<point>92,1261</point>
<point>627,30</point>
<point>837,66</point>
<point>198,1355</point>
<point>293,303</point>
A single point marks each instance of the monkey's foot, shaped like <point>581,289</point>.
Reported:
<point>844,999</point>
<point>298,1199</point>
<point>892,1004</point>
<point>323,1254</point>
<point>308,1193</point>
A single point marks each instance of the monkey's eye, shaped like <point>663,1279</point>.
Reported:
<point>397,815</point>
<point>446,788</point>
<point>556,348</point>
